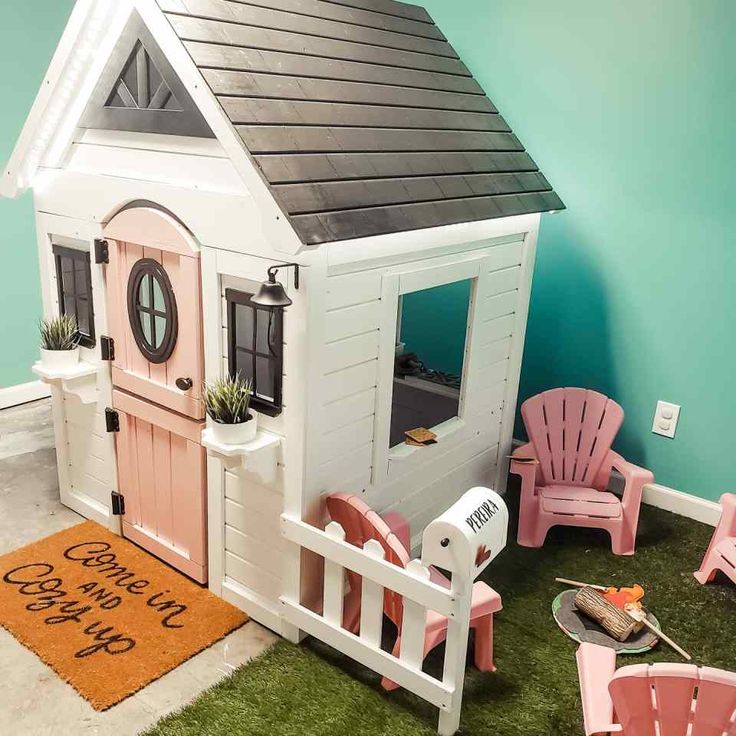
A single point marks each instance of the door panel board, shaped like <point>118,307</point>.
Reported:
<point>162,478</point>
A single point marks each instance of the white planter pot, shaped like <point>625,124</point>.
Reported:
<point>60,360</point>
<point>235,434</point>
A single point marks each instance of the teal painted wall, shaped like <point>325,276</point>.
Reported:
<point>628,107</point>
<point>29,33</point>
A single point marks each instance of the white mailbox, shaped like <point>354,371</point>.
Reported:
<point>468,535</point>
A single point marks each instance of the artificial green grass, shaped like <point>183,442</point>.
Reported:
<point>314,691</point>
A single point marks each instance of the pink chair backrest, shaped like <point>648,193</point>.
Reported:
<point>674,700</point>
<point>572,430</point>
<point>361,523</point>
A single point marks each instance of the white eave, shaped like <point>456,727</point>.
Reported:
<point>85,47</point>
<point>31,145</point>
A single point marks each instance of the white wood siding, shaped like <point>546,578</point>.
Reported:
<point>347,448</point>
<point>190,163</point>
<point>252,534</point>
<point>85,451</point>
<point>89,457</point>
<point>345,421</point>
<point>247,556</point>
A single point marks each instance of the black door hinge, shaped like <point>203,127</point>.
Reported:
<point>102,251</point>
<point>112,420</point>
<point>118,504</point>
<point>107,348</point>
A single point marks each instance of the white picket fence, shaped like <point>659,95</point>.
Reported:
<point>419,594</point>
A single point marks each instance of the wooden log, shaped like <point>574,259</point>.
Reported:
<point>614,621</point>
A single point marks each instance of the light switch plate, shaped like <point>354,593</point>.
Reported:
<point>665,419</point>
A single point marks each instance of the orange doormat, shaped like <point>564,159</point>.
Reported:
<point>105,615</point>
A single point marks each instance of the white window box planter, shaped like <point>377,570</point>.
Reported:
<point>260,455</point>
<point>79,380</point>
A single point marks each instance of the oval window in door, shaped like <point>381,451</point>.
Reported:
<point>152,310</point>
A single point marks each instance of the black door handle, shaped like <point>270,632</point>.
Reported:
<point>184,384</point>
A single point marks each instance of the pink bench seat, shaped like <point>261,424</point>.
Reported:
<point>574,501</point>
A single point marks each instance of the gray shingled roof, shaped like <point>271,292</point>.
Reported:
<point>360,115</point>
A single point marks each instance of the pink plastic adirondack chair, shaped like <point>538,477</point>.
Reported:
<point>721,554</point>
<point>569,464</point>
<point>654,700</point>
<point>361,524</point>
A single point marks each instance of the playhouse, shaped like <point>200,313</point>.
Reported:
<point>178,150</point>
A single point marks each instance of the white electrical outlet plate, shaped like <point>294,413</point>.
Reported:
<point>665,419</point>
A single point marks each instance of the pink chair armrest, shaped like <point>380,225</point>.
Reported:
<point>629,470</point>
<point>527,470</point>
<point>596,667</point>
<point>524,451</point>
<point>399,525</point>
<point>636,478</point>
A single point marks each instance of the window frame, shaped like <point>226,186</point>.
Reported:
<point>233,299</point>
<point>143,268</point>
<point>86,339</point>
<point>390,462</point>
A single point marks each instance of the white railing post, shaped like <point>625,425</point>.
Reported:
<point>453,677</point>
<point>414,622</point>
<point>334,587</point>
<point>371,606</point>
<point>463,540</point>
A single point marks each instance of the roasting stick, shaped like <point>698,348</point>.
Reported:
<point>640,615</point>
<point>578,584</point>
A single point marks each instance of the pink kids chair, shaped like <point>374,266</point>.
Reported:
<point>566,467</point>
<point>361,524</point>
<point>654,700</point>
<point>721,554</point>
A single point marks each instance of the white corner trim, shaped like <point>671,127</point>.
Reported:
<point>23,394</point>
<point>682,504</point>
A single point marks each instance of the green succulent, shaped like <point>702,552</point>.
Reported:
<point>227,400</point>
<point>59,333</point>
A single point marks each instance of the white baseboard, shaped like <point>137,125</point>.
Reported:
<point>23,394</point>
<point>682,504</point>
<point>676,502</point>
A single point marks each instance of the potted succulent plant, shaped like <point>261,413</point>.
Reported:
<point>227,402</point>
<point>59,343</point>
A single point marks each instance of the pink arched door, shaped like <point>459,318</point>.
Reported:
<point>155,320</point>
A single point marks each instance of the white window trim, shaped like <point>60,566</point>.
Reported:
<point>456,430</point>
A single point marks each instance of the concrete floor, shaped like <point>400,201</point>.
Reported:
<point>34,701</point>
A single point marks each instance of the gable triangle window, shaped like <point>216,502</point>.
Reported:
<point>140,92</point>
<point>141,85</point>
